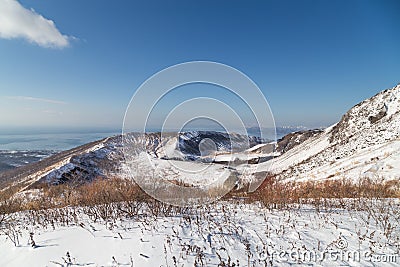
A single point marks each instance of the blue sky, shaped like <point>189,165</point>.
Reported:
<point>313,60</point>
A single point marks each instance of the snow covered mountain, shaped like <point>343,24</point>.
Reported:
<point>104,158</point>
<point>78,164</point>
<point>364,143</point>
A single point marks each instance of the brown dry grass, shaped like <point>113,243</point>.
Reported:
<point>272,193</point>
<point>277,194</point>
<point>98,192</point>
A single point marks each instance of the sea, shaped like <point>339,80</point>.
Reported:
<point>20,149</point>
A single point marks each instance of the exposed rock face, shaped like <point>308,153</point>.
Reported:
<point>373,121</point>
<point>380,115</point>
<point>189,142</point>
<point>291,140</point>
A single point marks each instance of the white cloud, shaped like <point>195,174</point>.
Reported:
<point>19,22</point>
<point>36,99</point>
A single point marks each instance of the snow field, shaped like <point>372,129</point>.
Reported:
<point>232,233</point>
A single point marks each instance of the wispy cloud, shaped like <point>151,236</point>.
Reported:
<point>52,112</point>
<point>37,99</point>
<point>19,22</point>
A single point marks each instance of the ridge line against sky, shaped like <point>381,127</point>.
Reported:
<point>313,60</point>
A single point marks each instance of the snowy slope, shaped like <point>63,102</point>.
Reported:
<point>375,162</point>
<point>365,139</point>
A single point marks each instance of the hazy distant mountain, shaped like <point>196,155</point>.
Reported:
<point>278,132</point>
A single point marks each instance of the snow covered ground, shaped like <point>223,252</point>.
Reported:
<point>217,235</point>
<point>189,172</point>
<point>379,161</point>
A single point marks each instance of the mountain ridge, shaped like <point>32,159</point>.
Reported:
<point>364,143</point>
<point>368,125</point>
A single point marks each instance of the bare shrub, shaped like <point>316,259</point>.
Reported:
<point>8,204</point>
<point>328,193</point>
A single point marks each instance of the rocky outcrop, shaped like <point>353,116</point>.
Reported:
<point>291,140</point>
